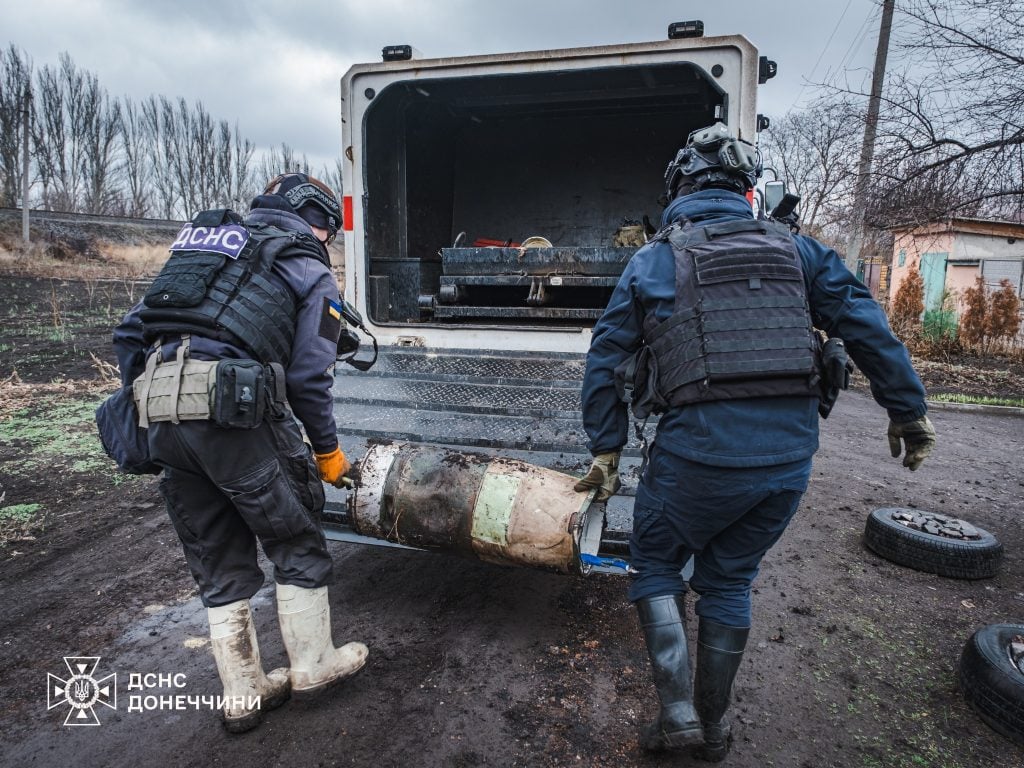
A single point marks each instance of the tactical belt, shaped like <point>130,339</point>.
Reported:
<point>231,393</point>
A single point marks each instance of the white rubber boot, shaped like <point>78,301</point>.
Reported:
<point>316,664</point>
<point>233,640</point>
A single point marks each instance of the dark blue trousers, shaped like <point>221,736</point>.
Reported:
<point>726,517</point>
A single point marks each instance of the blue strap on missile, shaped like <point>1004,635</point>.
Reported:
<point>606,562</point>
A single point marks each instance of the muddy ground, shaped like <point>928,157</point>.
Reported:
<point>852,660</point>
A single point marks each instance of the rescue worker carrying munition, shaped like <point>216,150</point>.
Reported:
<point>249,310</point>
<point>720,307</point>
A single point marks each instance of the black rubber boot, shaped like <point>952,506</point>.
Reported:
<point>719,652</point>
<point>661,619</point>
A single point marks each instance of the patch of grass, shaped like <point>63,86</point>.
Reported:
<point>19,513</point>
<point>88,465</point>
<point>56,334</point>
<point>55,432</point>
<point>948,397</point>
<point>17,522</point>
<point>46,332</point>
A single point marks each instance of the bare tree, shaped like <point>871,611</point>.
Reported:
<point>164,189</point>
<point>15,88</point>
<point>208,163</point>
<point>956,111</point>
<point>101,154</point>
<point>232,155</point>
<point>195,162</point>
<point>137,165</point>
<point>74,134</point>
<point>937,193</point>
<point>333,178</point>
<point>815,152</point>
<point>55,151</point>
<point>202,145</point>
<point>176,127</point>
<point>101,130</point>
<point>224,173</point>
<point>280,160</point>
<point>243,183</point>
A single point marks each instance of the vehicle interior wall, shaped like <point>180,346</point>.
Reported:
<point>567,156</point>
<point>570,179</point>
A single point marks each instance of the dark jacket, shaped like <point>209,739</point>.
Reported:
<point>750,432</point>
<point>310,371</point>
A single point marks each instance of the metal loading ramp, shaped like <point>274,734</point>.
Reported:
<point>519,405</point>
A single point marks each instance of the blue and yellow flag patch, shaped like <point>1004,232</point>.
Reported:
<point>330,320</point>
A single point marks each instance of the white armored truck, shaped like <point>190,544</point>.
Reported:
<point>490,205</point>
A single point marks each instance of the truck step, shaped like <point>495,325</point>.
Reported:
<point>504,399</point>
<point>519,313</point>
<point>516,368</point>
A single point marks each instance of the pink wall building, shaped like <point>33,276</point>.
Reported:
<point>951,254</point>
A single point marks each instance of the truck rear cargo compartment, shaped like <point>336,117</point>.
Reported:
<point>451,162</point>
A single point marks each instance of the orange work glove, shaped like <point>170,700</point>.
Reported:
<point>333,467</point>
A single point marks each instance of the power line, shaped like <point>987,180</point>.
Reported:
<point>820,55</point>
<point>858,40</point>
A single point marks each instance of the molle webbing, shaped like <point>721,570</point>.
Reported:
<point>241,304</point>
<point>741,326</point>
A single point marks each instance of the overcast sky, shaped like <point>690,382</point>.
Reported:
<point>275,67</point>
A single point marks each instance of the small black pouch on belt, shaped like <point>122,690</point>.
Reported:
<point>241,398</point>
<point>277,388</point>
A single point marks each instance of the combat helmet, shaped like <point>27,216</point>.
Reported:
<point>712,158</point>
<point>310,198</point>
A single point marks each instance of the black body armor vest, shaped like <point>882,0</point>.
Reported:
<point>741,326</point>
<point>218,284</point>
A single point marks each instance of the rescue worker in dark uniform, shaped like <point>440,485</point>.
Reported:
<point>721,306</point>
<point>252,305</point>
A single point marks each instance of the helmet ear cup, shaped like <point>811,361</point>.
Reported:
<point>710,138</point>
<point>736,157</point>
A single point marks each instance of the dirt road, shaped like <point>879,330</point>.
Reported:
<point>851,660</point>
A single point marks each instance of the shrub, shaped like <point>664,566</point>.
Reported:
<point>974,320</point>
<point>939,325</point>
<point>908,305</point>
<point>990,317</point>
<point>1003,322</point>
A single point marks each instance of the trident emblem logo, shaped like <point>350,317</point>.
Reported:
<point>81,691</point>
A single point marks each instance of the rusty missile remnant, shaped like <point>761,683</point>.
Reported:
<point>493,509</point>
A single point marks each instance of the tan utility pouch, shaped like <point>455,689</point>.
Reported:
<point>175,391</point>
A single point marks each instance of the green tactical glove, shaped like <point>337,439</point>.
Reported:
<point>603,475</point>
<point>919,436</point>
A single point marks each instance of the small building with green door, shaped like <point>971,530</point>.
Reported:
<point>952,254</point>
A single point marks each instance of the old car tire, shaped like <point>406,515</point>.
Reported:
<point>976,558</point>
<point>992,682</point>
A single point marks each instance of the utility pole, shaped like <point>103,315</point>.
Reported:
<point>867,149</point>
<point>26,114</point>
